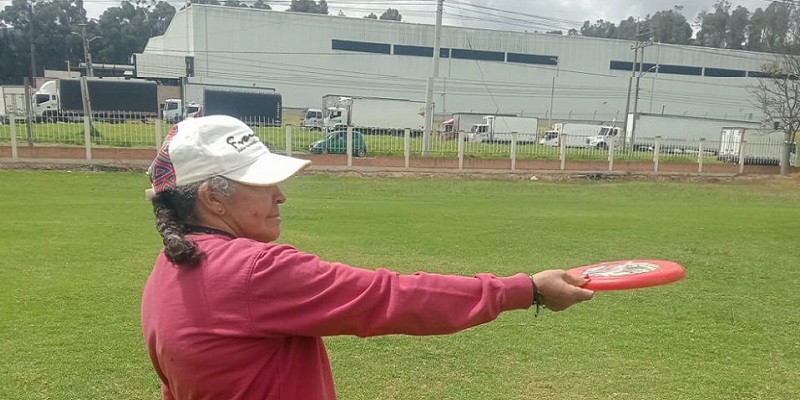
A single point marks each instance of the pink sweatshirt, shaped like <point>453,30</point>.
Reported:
<point>248,322</point>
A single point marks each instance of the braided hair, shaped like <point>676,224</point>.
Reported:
<point>175,211</point>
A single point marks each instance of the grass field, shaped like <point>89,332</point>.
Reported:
<point>77,248</point>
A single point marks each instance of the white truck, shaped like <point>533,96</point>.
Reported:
<point>760,147</point>
<point>679,134</point>
<point>500,129</point>
<point>463,122</point>
<point>112,99</point>
<point>313,119</point>
<point>374,115</point>
<point>254,105</point>
<point>12,102</point>
<point>580,135</point>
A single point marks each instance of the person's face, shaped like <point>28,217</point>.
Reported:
<point>252,212</point>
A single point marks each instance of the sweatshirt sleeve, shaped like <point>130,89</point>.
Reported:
<point>295,293</point>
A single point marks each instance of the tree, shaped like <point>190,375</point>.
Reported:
<point>778,97</point>
<point>670,26</point>
<point>49,29</point>
<point>737,28</point>
<point>777,23</point>
<point>392,15</point>
<point>714,26</point>
<point>755,31</point>
<point>126,29</point>
<point>371,16</point>
<point>262,5</point>
<point>309,6</point>
<point>601,29</point>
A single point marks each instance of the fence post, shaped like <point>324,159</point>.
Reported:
<point>288,140</point>
<point>657,154</point>
<point>611,149</point>
<point>13,122</point>
<point>741,155</point>
<point>700,155</point>
<point>563,150</point>
<point>349,146</point>
<point>513,151</point>
<point>407,147</point>
<point>158,135</point>
<point>460,149</point>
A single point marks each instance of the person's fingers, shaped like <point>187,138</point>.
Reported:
<point>575,280</point>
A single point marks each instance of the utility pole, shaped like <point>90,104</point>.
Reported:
<point>87,53</point>
<point>429,106</point>
<point>552,92</point>
<point>30,39</point>
<point>638,45</point>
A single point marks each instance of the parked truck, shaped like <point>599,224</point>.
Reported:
<point>374,115</point>
<point>499,129</point>
<point>580,135</point>
<point>111,99</point>
<point>679,134</point>
<point>12,102</point>
<point>256,106</point>
<point>313,118</point>
<point>463,122</point>
<point>759,147</point>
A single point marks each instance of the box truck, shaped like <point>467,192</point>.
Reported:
<point>463,122</point>
<point>758,146</point>
<point>12,102</point>
<point>111,99</point>
<point>374,115</point>
<point>580,135</point>
<point>679,134</point>
<point>255,106</point>
<point>499,129</point>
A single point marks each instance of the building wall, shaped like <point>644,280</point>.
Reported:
<point>305,56</point>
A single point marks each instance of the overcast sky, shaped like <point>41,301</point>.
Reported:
<point>531,15</point>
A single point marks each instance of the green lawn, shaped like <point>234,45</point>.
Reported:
<point>77,248</point>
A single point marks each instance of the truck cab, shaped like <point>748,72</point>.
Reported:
<point>603,139</point>
<point>45,101</point>
<point>173,110</point>
<point>313,119</point>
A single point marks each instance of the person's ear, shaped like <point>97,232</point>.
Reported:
<point>210,200</point>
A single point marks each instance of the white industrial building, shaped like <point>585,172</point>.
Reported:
<point>306,56</point>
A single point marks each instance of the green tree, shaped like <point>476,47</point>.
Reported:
<point>371,16</point>
<point>262,5</point>
<point>600,29</point>
<point>309,6</point>
<point>392,15</point>
<point>755,31</point>
<point>670,26</point>
<point>46,24</point>
<point>126,29</point>
<point>777,23</point>
<point>737,28</point>
<point>714,26</point>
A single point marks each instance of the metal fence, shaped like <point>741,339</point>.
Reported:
<point>143,131</point>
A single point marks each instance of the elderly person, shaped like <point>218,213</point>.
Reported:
<point>228,314</point>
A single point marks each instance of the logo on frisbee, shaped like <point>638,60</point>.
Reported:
<point>627,268</point>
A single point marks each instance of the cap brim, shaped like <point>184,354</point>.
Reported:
<point>269,169</point>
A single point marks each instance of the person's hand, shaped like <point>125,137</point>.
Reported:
<point>560,290</point>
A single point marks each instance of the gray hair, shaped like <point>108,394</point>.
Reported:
<point>176,210</point>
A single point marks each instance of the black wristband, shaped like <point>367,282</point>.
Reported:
<point>538,301</point>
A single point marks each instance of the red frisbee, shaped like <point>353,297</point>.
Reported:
<point>629,274</point>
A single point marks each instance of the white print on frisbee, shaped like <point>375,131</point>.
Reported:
<point>616,269</point>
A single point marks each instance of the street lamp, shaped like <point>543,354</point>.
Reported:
<point>552,92</point>
<point>87,54</point>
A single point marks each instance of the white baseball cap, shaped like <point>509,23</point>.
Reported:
<point>200,148</point>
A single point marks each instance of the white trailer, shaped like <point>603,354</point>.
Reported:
<point>580,135</point>
<point>12,102</point>
<point>374,115</point>
<point>678,133</point>
<point>758,147</point>
<point>501,129</point>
